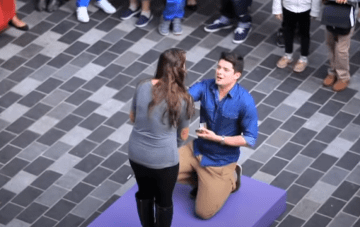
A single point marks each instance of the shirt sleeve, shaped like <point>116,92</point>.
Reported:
<point>277,7</point>
<point>196,91</point>
<point>249,123</point>
<point>184,123</point>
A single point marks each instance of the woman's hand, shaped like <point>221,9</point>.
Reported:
<point>341,1</point>
<point>279,16</point>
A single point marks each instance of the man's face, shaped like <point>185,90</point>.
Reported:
<point>225,74</point>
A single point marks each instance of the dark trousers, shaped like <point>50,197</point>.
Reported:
<point>156,183</point>
<point>236,9</point>
<point>291,20</point>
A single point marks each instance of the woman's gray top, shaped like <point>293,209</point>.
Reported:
<point>153,143</point>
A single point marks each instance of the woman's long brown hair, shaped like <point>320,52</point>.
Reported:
<point>171,74</point>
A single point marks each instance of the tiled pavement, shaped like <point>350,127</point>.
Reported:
<point>65,91</point>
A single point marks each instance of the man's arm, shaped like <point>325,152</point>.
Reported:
<point>236,141</point>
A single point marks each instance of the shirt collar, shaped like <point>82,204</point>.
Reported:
<point>231,93</point>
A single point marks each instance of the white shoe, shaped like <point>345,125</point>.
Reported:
<point>105,6</point>
<point>82,14</point>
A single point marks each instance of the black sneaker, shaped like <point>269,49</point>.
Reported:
<point>218,25</point>
<point>280,42</point>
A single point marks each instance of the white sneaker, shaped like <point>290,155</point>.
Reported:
<point>82,14</point>
<point>105,6</point>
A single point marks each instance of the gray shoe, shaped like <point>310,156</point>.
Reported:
<point>177,29</point>
<point>164,27</point>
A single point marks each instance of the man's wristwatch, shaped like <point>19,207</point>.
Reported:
<point>222,141</point>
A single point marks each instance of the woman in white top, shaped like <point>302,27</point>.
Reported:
<point>296,13</point>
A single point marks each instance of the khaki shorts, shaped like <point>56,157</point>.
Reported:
<point>214,183</point>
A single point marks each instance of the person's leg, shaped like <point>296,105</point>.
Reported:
<point>341,63</point>
<point>82,3</point>
<point>330,42</point>
<point>289,25</point>
<point>241,10</point>
<point>134,9</point>
<point>225,21</point>
<point>304,32</point>
<point>145,15</point>
<point>215,186</point>
<point>146,193</point>
<point>165,180</point>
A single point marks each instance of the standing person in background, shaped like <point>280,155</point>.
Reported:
<point>338,41</point>
<point>82,13</point>
<point>173,13</point>
<point>161,112</point>
<point>296,13</point>
<point>134,9</point>
<point>233,11</point>
<point>8,16</point>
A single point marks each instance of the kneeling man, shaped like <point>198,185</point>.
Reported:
<point>210,162</point>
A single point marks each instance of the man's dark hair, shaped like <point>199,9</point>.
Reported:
<point>234,59</point>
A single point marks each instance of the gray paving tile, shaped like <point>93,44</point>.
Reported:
<point>320,192</point>
<point>350,133</point>
<point>354,175</point>
<point>165,44</point>
<point>342,219</point>
<point>33,151</point>
<point>114,35</point>
<point>105,190</point>
<point>304,209</point>
<point>57,150</point>
<point>46,179</point>
<point>66,72</point>
<point>51,196</point>
<point>19,182</point>
<point>65,163</point>
<point>338,147</point>
<point>30,50</point>
<point>88,206</point>
<point>43,73</point>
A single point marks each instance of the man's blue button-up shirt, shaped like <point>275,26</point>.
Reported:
<point>234,115</point>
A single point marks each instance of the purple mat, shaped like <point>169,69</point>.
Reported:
<point>256,204</point>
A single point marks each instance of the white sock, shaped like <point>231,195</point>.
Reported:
<point>146,13</point>
<point>289,56</point>
<point>303,59</point>
<point>133,6</point>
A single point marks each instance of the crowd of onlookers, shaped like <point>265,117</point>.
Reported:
<point>296,18</point>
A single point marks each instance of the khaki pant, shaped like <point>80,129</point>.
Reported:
<point>214,183</point>
<point>339,55</point>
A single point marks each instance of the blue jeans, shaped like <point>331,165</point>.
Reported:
<point>83,3</point>
<point>174,9</point>
<point>237,10</point>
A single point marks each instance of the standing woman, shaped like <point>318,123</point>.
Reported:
<point>8,16</point>
<point>161,112</point>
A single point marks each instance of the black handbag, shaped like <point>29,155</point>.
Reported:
<point>338,18</point>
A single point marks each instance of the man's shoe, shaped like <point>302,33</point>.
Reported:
<point>128,13</point>
<point>193,193</point>
<point>280,42</point>
<point>143,21</point>
<point>241,34</point>
<point>300,66</point>
<point>164,27</point>
<point>283,62</point>
<point>105,6</point>
<point>238,170</point>
<point>217,25</point>
<point>340,85</point>
<point>329,80</point>
<point>82,14</point>
<point>177,28</point>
